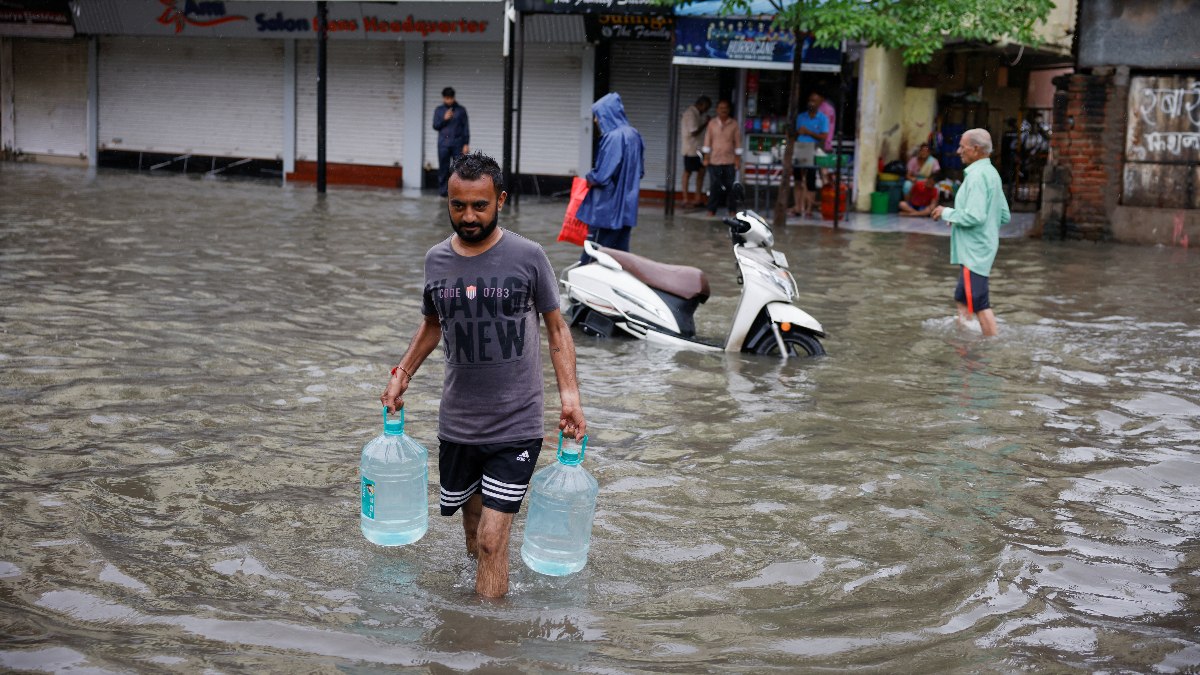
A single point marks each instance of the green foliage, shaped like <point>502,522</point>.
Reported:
<point>918,27</point>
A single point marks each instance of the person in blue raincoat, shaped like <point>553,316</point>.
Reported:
<point>610,207</point>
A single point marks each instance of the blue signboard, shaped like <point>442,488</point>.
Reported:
<point>746,42</point>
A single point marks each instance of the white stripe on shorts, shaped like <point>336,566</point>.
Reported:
<point>459,498</point>
<point>508,492</point>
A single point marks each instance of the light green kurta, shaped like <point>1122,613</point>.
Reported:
<point>980,210</point>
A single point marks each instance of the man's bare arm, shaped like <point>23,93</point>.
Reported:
<point>428,334</point>
<point>562,355</point>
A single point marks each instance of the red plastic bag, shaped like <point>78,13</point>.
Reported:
<point>575,230</point>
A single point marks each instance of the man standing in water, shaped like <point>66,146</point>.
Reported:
<point>454,135</point>
<point>979,211</point>
<point>484,289</point>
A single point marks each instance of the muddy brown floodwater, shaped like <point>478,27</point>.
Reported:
<point>190,367</point>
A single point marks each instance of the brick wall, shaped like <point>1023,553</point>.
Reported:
<point>1083,178</point>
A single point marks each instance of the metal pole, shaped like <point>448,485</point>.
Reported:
<point>672,133</point>
<point>322,38</point>
<point>507,134</point>
<point>514,192</point>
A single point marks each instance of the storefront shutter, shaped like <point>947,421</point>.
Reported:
<point>640,74</point>
<point>551,120</point>
<point>364,99</point>
<point>203,96</point>
<point>476,71</point>
<point>50,96</point>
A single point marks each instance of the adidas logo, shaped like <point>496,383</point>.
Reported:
<point>524,456</point>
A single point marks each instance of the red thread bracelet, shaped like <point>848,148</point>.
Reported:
<point>399,367</point>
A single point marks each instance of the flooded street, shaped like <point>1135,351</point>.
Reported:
<point>190,367</point>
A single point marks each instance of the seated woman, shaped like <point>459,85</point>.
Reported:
<point>920,166</point>
<point>922,198</point>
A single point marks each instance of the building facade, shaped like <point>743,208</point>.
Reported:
<point>1125,160</point>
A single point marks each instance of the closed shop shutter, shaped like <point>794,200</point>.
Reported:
<point>220,97</point>
<point>364,98</point>
<point>640,74</point>
<point>476,71</point>
<point>551,121</point>
<point>50,97</point>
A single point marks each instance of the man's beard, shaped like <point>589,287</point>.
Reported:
<point>484,231</point>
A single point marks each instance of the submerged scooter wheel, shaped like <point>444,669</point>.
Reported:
<point>797,344</point>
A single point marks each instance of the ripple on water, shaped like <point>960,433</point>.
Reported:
<point>920,499</point>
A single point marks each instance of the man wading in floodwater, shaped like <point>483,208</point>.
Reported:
<point>484,289</point>
<point>980,210</point>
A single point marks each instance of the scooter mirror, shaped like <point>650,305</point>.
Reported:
<point>737,194</point>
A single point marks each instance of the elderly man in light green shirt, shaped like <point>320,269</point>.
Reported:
<point>979,211</point>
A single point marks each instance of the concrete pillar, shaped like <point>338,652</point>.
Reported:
<point>920,111</point>
<point>93,102</point>
<point>587,75</point>
<point>881,111</point>
<point>413,160</point>
<point>289,107</point>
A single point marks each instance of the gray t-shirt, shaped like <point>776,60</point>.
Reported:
<point>489,307</point>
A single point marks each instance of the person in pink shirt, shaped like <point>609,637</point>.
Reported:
<point>722,155</point>
<point>826,109</point>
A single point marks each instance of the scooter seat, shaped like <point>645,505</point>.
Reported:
<point>680,280</point>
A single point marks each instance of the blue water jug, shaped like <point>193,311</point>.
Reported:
<point>562,501</point>
<point>395,486</point>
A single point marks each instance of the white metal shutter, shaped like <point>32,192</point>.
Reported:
<point>641,75</point>
<point>220,97</point>
<point>50,96</point>
<point>694,82</point>
<point>550,116</point>
<point>365,99</point>
<point>476,71</point>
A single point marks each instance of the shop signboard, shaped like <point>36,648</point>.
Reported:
<point>746,42</point>
<point>591,7</point>
<point>396,21</point>
<point>35,18</point>
<point>640,27</point>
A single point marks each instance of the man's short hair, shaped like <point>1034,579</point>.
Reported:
<point>448,92</point>
<point>979,138</point>
<point>477,165</point>
<point>704,101</point>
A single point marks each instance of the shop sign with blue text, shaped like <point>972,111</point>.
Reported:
<point>746,42</point>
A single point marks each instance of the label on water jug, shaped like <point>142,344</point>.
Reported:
<point>368,498</point>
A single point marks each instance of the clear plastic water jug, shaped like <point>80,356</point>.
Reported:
<point>395,486</point>
<point>562,501</point>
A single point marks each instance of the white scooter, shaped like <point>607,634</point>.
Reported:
<point>625,293</point>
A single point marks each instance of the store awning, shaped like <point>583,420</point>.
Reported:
<point>554,28</point>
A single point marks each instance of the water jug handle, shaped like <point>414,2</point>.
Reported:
<point>401,411</point>
<point>582,446</point>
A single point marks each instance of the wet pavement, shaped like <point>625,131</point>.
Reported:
<point>189,368</point>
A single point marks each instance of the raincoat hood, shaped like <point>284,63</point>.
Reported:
<point>615,179</point>
<point>610,112</point>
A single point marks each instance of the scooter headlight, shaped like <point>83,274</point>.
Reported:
<point>780,279</point>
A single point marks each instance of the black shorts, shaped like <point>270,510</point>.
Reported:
<point>972,291</point>
<point>809,175</point>
<point>500,470</point>
<point>692,163</point>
